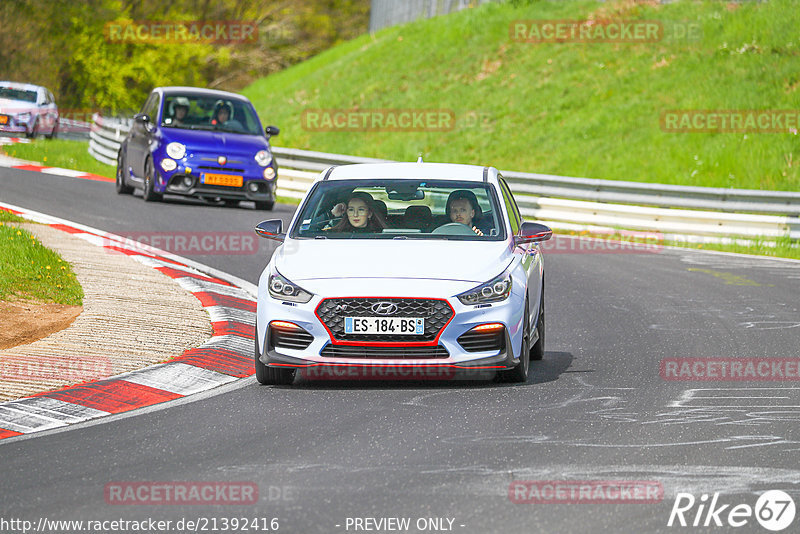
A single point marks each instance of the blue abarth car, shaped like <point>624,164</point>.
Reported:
<point>201,143</point>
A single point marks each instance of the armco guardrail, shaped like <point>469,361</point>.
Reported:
<point>105,137</point>
<point>566,202</point>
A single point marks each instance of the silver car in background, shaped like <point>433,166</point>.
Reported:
<point>399,265</point>
<point>27,109</point>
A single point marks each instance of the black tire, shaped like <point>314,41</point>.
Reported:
<point>265,206</point>
<point>519,374</point>
<point>122,187</point>
<point>270,376</point>
<point>537,351</point>
<point>34,131</point>
<point>148,193</point>
<point>54,131</point>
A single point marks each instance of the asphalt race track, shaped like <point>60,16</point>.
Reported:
<point>596,408</point>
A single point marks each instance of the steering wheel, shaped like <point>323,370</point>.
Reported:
<point>454,229</point>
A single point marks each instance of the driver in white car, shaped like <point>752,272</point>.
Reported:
<point>462,207</point>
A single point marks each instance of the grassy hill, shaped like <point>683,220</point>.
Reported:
<point>577,109</point>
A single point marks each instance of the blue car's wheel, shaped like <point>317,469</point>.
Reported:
<point>148,193</point>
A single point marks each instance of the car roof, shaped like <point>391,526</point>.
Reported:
<point>22,86</point>
<point>429,171</point>
<point>199,91</point>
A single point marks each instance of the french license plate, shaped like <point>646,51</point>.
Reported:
<point>413,326</point>
<point>3,119</point>
<point>222,179</point>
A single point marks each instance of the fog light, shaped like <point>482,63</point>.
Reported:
<point>269,173</point>
<point>168,164</point>
<point>253,187</point>
<point>187,181</point>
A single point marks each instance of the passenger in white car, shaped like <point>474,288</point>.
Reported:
<point>361,216</point>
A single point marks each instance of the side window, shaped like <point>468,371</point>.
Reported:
<point>151,108</point>
<point>511,207</point>
<point>148,106</point>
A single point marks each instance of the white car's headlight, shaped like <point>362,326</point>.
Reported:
<point>23,117</point>
<point>176,150</point>
<point>263,158</point>
<point>494,290</point>
<point>282,289</point>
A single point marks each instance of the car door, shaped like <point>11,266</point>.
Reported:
<point>43,117</point>
<point>53,109</point>
<point>139,139</point>
<point>529,253</point>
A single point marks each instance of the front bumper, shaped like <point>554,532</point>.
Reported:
<point>195,167</point>
<point>443,352</point>
<point>14,128</point>
<point>175,186</point>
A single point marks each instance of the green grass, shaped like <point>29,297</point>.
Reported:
<point>29,270</point>
<point>60,153</point>
<point>589,110</point>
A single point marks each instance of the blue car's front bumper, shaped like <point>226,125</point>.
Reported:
<point>190,178</point>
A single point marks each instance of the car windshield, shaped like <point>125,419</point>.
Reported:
<point>17,94</point>
<point>401,209</point>
<point>196,112</point>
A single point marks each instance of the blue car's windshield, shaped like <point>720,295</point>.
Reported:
<point>401,209</point>
<point>196,112</point>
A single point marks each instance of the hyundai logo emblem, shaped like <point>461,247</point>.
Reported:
<point>222,160</point>
<point>384,308</point>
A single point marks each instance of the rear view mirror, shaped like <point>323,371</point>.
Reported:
<point>272,229</point>
<point>531,232</point>
<point>272,131</point>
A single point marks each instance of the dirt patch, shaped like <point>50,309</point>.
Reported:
<point>25,321</point>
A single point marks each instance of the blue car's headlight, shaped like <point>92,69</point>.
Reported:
<point>495,290</point>
<point>176,150</point>
<point>263,158</point>
<point>282,289</point>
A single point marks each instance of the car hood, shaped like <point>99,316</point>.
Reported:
<point>217,141</point>
<point>317,259</point>
<point>15,106</point>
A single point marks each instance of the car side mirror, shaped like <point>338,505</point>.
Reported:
<point>272,131</point>
<point>142,118</point>
<point>272,229</point>
<point>531,232</point>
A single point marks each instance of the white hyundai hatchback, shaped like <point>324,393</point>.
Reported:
<point>421,265</point>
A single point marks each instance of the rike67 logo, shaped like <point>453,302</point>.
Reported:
<point>774,510</point>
